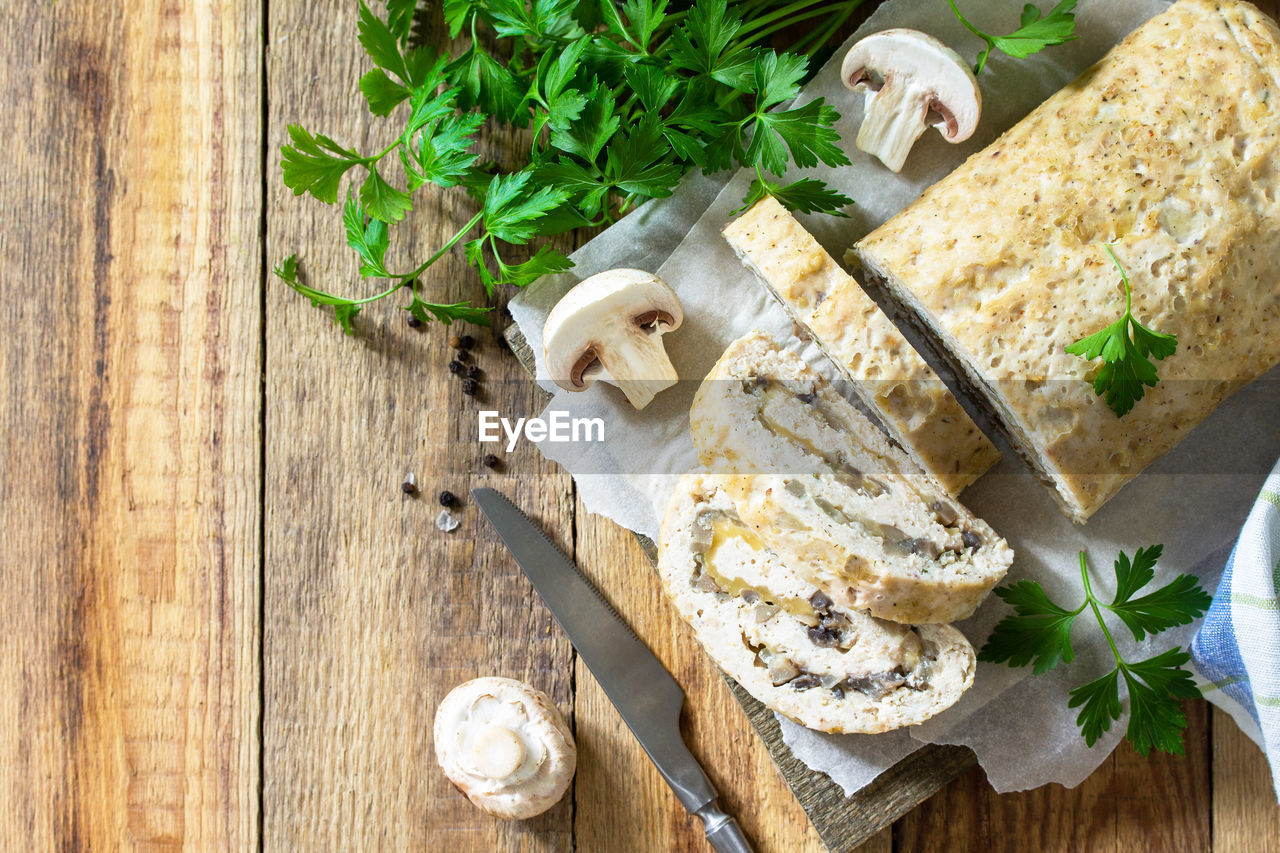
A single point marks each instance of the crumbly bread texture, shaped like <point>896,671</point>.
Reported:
<point>1168,150</point>
<point>829,493</point>
<point>826,667</point>
<point>889,376</point>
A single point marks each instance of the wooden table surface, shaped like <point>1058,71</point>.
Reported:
<point>224,626</point>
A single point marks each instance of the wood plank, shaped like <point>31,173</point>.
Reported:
<point>1129,803</point>
<point>1246,818</point>
<point>371,613</point>
<point>619,792</point>
<point>1164,802</point>
<point>130,471</point>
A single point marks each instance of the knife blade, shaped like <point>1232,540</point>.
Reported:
<point>633,678</point>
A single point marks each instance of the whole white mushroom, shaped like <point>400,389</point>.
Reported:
<point>505,745</point>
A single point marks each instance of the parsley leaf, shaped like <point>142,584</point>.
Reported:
<point>382,93</point>
<point>806,195</point>
<point>344,310</point>
<point>704,44</point>
<point>423,311</point>
<point>511,208</point>
<point>1099,701</point>
<point>777,79</point>
<point>597,123</point>
<point>382,45</point>
<point>623,99</point>
<point>645,17</point>
<point>440,155</point>
<point>383,201</point>
<point>636,164</point>
<point>315,164</point>
<point>488,84</point>
<point>1036,32</point>
<point>1039,632</point>
<point>1156,687</point>
<point>808,133</point>
<point>368,237</point>
<point>1126,369</point>
<point>400,17</point>
<point>544,262</point>
<point>1178,603</point>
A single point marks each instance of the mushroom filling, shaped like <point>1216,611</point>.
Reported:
<point>782,670</point>
<point>715,529</point>
<point>770,394</point>
<point>834,636</point>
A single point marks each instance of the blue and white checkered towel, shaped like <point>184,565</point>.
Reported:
<point>1237,649</point>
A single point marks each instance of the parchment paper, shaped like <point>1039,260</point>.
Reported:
<point>1193,500</point>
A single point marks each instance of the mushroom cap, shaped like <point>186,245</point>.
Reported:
<point>505,745</point>
<point>899,54</point>
<point>597,307</point>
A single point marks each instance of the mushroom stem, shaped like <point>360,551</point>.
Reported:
<point>638,364</point>
<point>892,121</point>
<point>497,752</point>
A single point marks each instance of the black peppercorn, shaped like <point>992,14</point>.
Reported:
<point>408,487</point>
<point>462,355</point>
<point>414,322</point>
<point>448,498</point>
<point>465,342</point>
<point>470,387</point>
<point>473,371</point>
<point>455,367</point>
<point>490,461</point>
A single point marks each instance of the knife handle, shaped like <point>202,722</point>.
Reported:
<point>723,832</point>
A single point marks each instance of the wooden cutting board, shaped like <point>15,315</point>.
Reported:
<point>843,822</point>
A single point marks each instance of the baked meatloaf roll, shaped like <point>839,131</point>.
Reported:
<point>1168,150</point>
<point>829,493</point>
<point>790,645</point>
<point>887,374</point>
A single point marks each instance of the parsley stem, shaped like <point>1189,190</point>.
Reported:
<point>1093,603</point>
<point>1124,277</point>
<point>783,13</point>
<point>816,39</point>
<point>804,16</point>
<point>968,26</point>
<point>453,241</point>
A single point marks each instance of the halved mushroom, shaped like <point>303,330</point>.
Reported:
<point>609,327</point>
<point>912,81</point>
<point>505,745</point>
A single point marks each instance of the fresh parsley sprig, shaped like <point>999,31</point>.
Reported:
<point>1039,633</point>
<point>1036,32</point>
<point>621,100</point>
<point>1124,347</point>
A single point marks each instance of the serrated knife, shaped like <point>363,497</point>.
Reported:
<point>633,678</point>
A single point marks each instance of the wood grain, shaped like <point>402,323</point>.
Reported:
<point>1158,803</point>
<point>130,468</point>
<point>618,790</point>
<point>136,484</point>
<point>371,613</point>
<point>1246,818</point>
